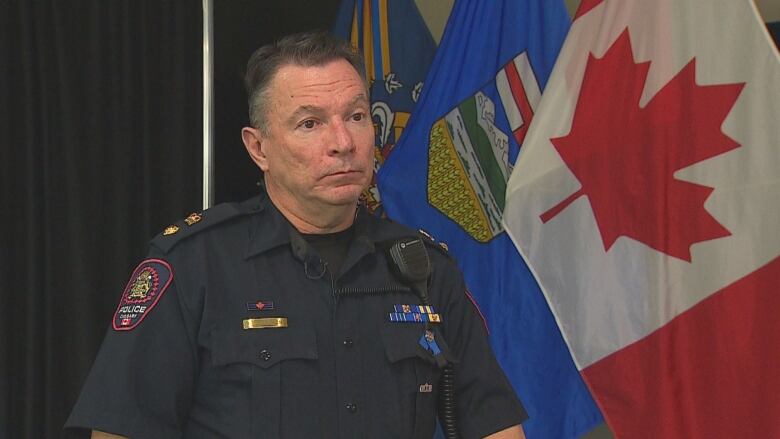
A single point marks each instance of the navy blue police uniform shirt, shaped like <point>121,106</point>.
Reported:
<point>320,356</point>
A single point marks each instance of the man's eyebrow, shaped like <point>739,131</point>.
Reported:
<point>305,109</point>
<point>359,99</point>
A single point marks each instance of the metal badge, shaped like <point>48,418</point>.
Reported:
<point>267,322</point>
<point>193,218</point>
<point>170,230</point>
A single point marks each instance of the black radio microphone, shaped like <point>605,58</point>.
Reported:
<point>411,265</point>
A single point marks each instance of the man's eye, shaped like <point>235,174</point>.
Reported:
<point>357,117</point>
<point>308,124</point>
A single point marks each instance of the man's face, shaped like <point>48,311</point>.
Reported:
<point>318,149</point>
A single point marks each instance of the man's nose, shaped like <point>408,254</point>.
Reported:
<point>341,138</point>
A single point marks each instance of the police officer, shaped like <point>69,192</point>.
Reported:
<point>283,316</point>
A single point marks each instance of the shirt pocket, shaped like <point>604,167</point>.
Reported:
<point>415,375</point>
<point>282,371</point>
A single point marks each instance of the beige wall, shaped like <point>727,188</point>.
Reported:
<point>770,9</point>
<point>435,12</point>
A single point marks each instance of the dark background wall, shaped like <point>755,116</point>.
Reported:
<point>100,149</point>
<point>99,128</point>
<point>240,27</point>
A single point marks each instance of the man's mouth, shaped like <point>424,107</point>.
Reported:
<point>341,173</point>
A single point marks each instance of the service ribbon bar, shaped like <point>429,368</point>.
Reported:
<point>422,309</point>
<point>414,317</point>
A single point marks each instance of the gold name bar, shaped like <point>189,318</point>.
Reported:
<point>267,322</point>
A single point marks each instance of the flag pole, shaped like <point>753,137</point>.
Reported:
<point>208,103</point>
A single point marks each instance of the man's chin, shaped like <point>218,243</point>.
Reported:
<point>343,195</point>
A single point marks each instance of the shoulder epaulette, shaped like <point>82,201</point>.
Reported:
<point>196,223</point>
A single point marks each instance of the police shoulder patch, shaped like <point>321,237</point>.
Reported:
<point>146,286</point>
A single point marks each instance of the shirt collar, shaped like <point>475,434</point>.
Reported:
<point>270,229</point>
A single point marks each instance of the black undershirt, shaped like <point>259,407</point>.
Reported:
<point>332,247</point>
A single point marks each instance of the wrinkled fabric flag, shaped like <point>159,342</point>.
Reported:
<point>398,49</point>
<point>448,176</point>
<point>645,200</point>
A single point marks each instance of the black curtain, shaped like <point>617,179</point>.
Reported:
<point>240,27</point>
<point>774,31</point>
<point>100,148</point>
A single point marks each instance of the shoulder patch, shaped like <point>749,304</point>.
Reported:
<point>197,222</point>
<point>147,284</point>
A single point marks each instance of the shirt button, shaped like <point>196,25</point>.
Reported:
<point>348,342</point>
<point>265,355</point>
<point>352,408</point>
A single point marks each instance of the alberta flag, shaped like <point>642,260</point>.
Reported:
<point>646,200</point>
<point>398,49</point>
<point>448,176</point>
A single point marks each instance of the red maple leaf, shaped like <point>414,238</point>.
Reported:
<point>624,156</point>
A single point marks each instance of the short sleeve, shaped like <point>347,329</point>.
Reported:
<point>485,399</point>
<point>141,382</point>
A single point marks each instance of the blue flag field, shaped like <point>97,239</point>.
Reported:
<point>448,172</point>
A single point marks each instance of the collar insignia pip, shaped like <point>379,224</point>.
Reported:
<point>193,218</point>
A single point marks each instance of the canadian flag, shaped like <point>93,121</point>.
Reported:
<point>646,200</point>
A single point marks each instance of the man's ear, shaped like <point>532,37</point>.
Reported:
<point>255,143</point>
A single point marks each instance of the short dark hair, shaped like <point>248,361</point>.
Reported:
<point>315,48</point>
